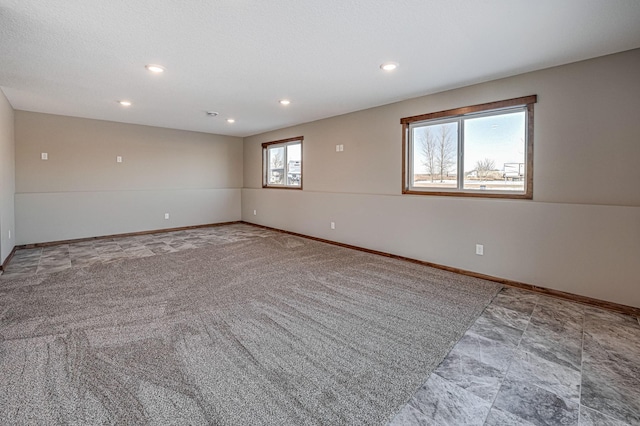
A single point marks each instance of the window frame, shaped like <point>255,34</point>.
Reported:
<point>499,107</point>
<point>284,143</point>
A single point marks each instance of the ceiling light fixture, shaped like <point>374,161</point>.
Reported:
<point>230,120</point>
<point>155,68</point>
<point>284,101</point>
<point>125,103</point>
<point>389,66</point>
<point>212,113</point>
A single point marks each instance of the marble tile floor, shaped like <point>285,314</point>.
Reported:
<point>56,258</point>
<point>529,359</point>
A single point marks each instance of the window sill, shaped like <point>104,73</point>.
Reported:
<point>478,194</point>
<point>296,188</point>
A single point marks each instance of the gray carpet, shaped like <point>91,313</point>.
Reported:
<point>272,331</point>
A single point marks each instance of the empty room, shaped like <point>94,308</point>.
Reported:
<point>235,212</point>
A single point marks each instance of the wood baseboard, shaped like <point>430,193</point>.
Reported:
<point>629,310</point>
<point>8,259</point>
<point>128,234</point>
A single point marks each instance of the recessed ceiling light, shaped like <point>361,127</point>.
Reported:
<point>125,103</point>
<point>155,68</point>
<point>230,120</point>
<point>212,113</point>
<point>389,66</point>
<point>284,101</point>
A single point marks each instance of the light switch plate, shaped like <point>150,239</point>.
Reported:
<point>44,156</point>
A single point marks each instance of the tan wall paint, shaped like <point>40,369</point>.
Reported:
<point>580,233</point>
<point>7,178</point>
<point>81,190</point>
<point>82,156</point>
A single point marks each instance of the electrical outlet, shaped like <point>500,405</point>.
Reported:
<point>479,249</point>
<point>166,215</point>
<point>255,212</point>
<point>118,159</point>
<point>333,225</point>
<point>44,156</point>
<point>337,148</point>
<point>341,147</point>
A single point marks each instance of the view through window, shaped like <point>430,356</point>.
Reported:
<point>483,150</point>
<point>282,163</point>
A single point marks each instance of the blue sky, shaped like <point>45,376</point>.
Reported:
<point>497,137</point>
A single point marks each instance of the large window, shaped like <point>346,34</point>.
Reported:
<point>282,163</point>
<point>480,151</point>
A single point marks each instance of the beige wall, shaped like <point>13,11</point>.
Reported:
<point>580,233</point>
<point>7,178</point>
<point>82,191</point>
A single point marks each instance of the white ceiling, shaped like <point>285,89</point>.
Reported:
<point>239,57</point>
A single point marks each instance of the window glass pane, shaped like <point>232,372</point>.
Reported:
<point>435,156</point>
<point>276,166</point>
<point>282,163</point>
<point>494,152</point>
<point>294,159</point>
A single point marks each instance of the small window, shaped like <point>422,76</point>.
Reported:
<point>480,151</point>
<point>282,163</point>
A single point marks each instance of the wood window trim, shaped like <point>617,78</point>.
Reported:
<point>525,101</point>
<point>299,138</point>
<point>265,145</point>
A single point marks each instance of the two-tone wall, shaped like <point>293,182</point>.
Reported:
<point>579,234</point>
<point>82,191</point>
<point>7,178</point>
